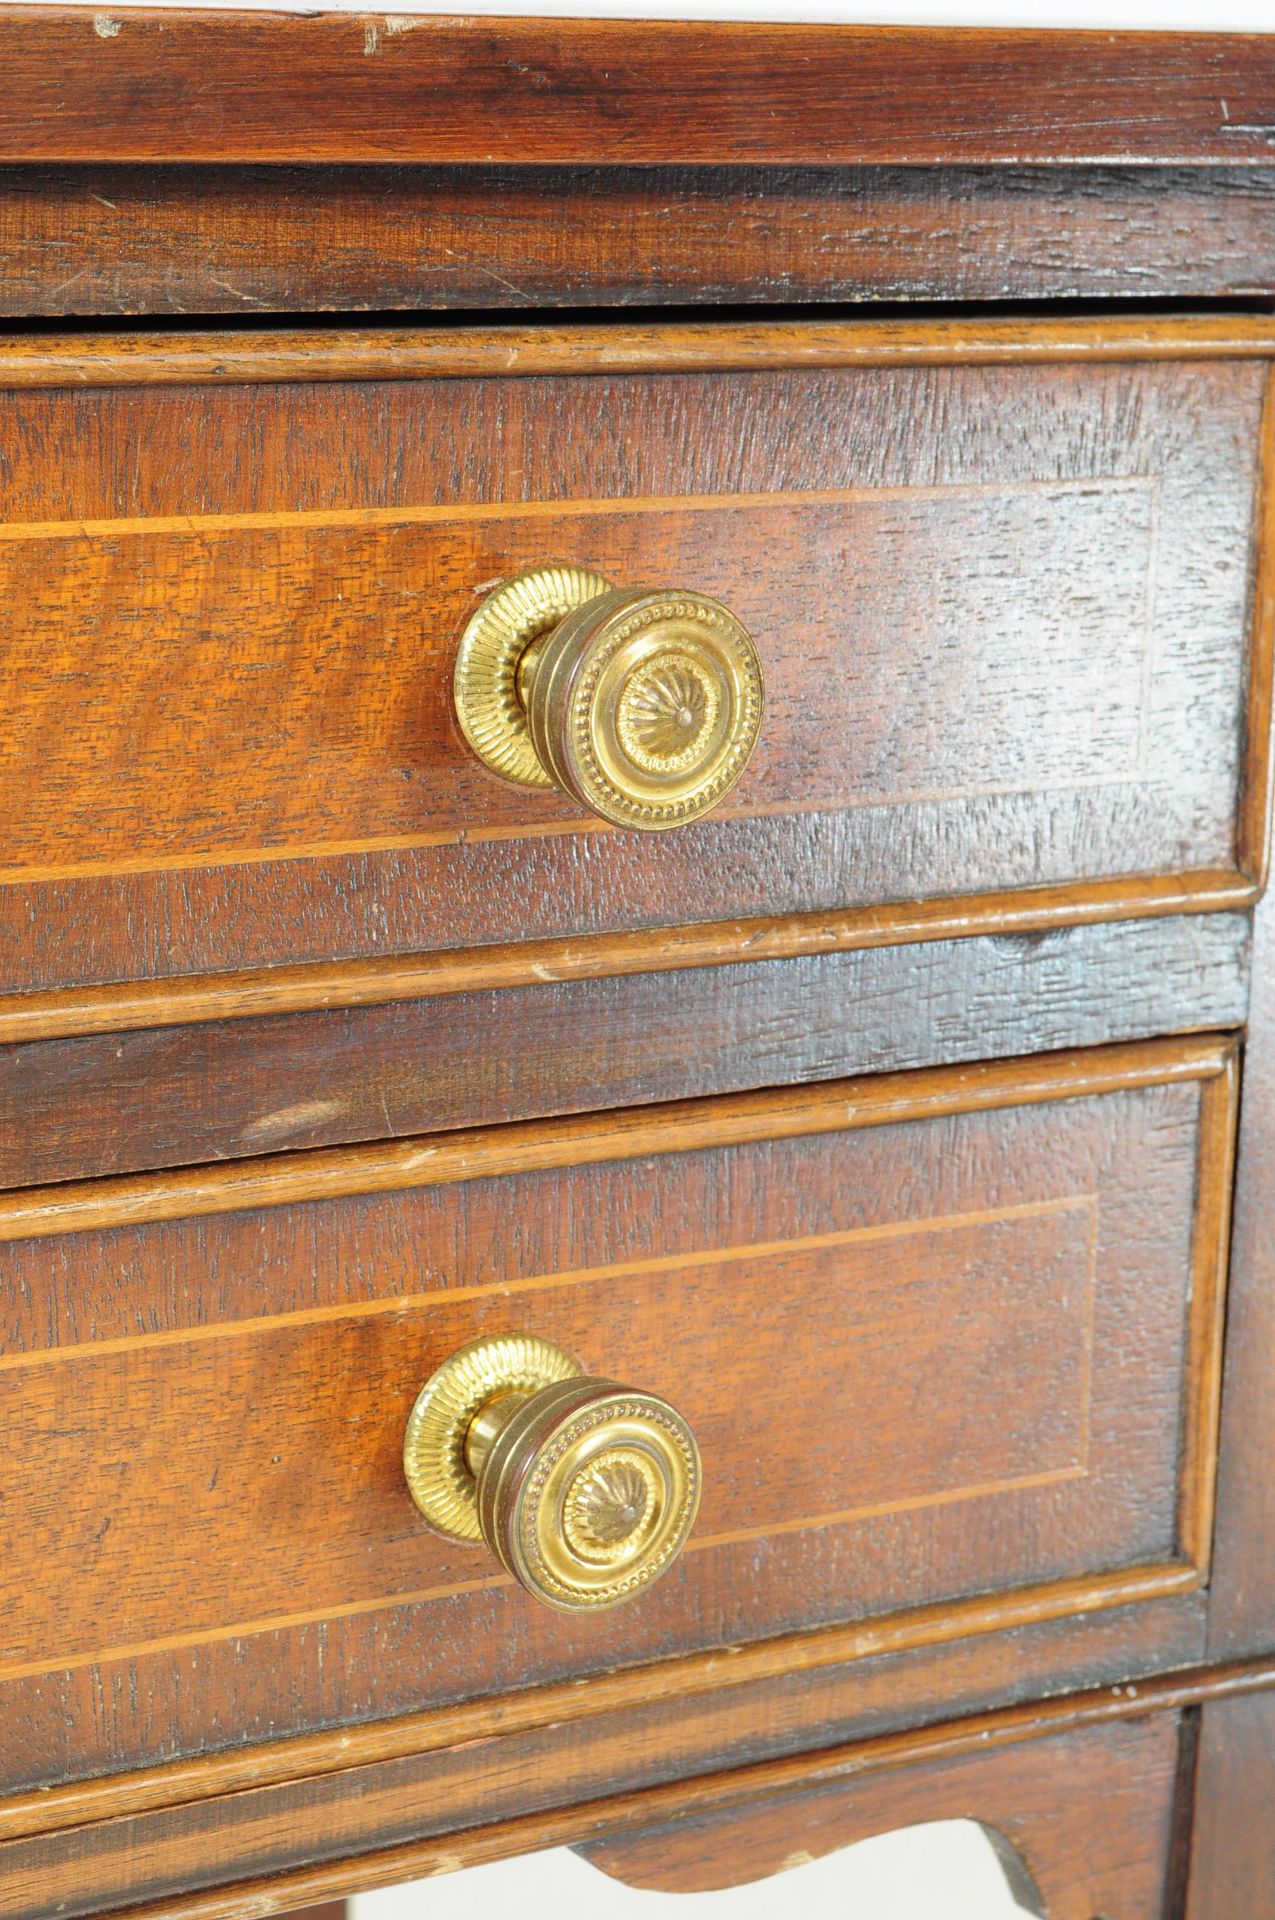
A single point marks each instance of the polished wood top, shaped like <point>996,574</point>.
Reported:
<point>150,85</point>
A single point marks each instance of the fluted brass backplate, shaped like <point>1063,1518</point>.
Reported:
<point>488,703</point>
<point>643,706</point>
<point>584,1490</point>
<point>438,1477</point>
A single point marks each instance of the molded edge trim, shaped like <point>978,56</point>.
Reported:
<point>233,355</point>
<point>683,1126</point>
<point>337,1750</point>
<point>712,1792</point>
<point>72,1012</point>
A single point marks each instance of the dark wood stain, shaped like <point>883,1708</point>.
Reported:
<point>1015,535</point>
<point>327,1052</point>
<point>156,86</point>
<point>72,1109</point>
<point>346,239</point>
<point>1081,1823</point>
<point>1083,1806</point>
<point>1232,1867</point>
<point>262,1363</point>
<point>1240,1617</point>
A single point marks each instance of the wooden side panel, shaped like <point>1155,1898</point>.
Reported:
<point>241,751</point>
<point>238,240</point>
<point>1233,1848</point>
<point>1037,1276</point>
<point>1242,1605</point>
<point>78,1108</point>
<point>1083,1824</point>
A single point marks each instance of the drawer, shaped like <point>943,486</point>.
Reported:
<point>1000,578</point>
<point>949,1343</point>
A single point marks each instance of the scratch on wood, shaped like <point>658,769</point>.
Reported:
<point>249,299</point>
<point>535,75</point>
<point>288,1120</point>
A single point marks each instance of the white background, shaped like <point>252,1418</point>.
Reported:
<point>946,1871</point>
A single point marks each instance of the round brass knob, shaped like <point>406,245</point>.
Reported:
<point>643,706</point>
<point>584,1490</point>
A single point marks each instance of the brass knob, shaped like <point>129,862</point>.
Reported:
<point>643,706</point>
<point>584,1490</point>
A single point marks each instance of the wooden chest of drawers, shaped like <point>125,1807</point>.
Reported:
<point>856,1191</point>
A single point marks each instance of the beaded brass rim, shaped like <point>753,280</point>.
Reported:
<point>488,705</point>
<point>438,1478</point>
<point>608,1502</point>
<point>664,716</point>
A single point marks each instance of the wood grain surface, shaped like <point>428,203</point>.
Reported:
<point>198,1860</point>
<point>165,86</point>
<point>1083,1825</point>
<point>239,240</point>
<point>694,1714</point>
<point>292,694</point>
<point>1232,1873</point>
<point>125,1006</point>
<point>76,1109</point>
<point>294,1506</point>
<point>1241,1612</point>
<point>244,1379</point>
<point>309,1030</point>
<point>166,813</point>
<point>393,1165</point>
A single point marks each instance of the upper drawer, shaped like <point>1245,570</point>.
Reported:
<point>1001,582</point>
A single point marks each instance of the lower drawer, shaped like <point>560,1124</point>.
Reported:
<point>940,1335</point>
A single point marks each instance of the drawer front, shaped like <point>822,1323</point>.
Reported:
<point>1005,615</point>
<point>939,1335</point>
